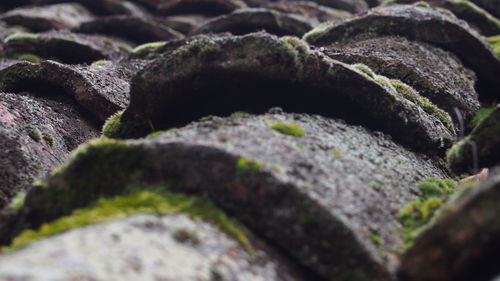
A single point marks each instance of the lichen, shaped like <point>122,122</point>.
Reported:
<point>246,166</point>
<point>416,216</point>
<point>21,36</point>
<point>157,201</point>
<point>27,57</point>
<point>34,133</point>
<point>290,129</point>
<point>410,94</point>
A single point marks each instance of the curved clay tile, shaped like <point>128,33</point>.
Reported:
<point>268,177</point>
<point>132,28</point>
<point>256,19</point>
<point>148,247</point>
<point>259,71</point>
<point>37,132</point>
<point>205,7</point>
<point>101,88</point>
<point>42,18</point>
<point>481,148</point>
<point>104,7</point>
<point>475,16</point>
<point>422,24</point>
<point>462,243</point>
<point>434,73</point>
<point>310,10</point>
<point>66,46</point>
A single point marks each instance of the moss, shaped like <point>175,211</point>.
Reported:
<point>240,115</point>
<point>148,47</point>
<point>158,201</point>
<point>101,63</point>
<point>115,128</point>
<point>422,4</point>
<point>18,201</point>
<point>27,57</point>
<point>21,36</point>
<point>481,114</point>
<point>34,133</point>
<point>186,237</point>
<point>376,239</point>
<point>113,125</point>
<point>410,94</point>
<point>417,215</point>
<point>336,153</point>
<point>246,166</point>
<point>154,135</point>
<point>290,129</point>
<point>48,138</point>
<point>276,168</point>
<point>318,31</point>
<point>495,43</point>
<point>364,69</point>
<point>203,49</point>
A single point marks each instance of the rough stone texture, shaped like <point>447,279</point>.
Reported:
<point>37,132</point>
<point>474,15</point>
<point>104,7</point>
<point>264,71</point>
<point>334,188</point>
<point>69,47</point>
<point>463,244</point>
<point>255,19</point>
<point>58,16</point>
<point>137,29</point>
<point>483,143</point>
<point>185,23</point>
<point>143,247</point>
<point>210,7</point>
<point>434,73</point>
<point>314,12</point>
<point>100,89</point>
<point>418,23</point>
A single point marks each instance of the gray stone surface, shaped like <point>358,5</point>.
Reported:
<point>334,188</point>
<point>42,18</point>
<point>434,73</point>
<point>437,27</point>
<point>143,247</point>
<point>258,71</point>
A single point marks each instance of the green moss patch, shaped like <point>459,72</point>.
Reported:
<point>481,114</point>
<point>21,36</point>
<point>290,129</point>
<point>159,201</point>
<point>495,43</point>
<point>101,63</point>
<point>417,215</point>
<point>364,69</point>
<point>34,133</point>
<point>27,57</point>
<point>148,47</point>
<point>246,166</point>
<point>410,94</point>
